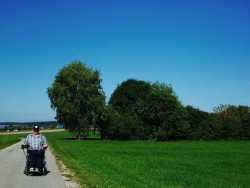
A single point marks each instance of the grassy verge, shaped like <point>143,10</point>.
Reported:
<point>7,140</point>
<point>216,164</point>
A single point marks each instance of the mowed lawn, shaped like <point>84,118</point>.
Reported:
<point>7,140</point>
<point>156,164</point>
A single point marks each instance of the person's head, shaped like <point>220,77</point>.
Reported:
<point>36,129</point>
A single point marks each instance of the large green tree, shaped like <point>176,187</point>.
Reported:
<point>130,95</point>
<point>77,97</point>
<point>157,112</point>
<point>129,100</point>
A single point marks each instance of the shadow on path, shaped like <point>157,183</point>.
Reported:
<point>38,174</point>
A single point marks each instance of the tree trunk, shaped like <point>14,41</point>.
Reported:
<point>78,136</point>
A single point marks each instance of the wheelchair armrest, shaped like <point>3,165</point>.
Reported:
<point>23,146</point>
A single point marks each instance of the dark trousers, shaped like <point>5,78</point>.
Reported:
<point>35,159</point>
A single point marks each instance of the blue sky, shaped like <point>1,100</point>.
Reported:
<point>201,48</point>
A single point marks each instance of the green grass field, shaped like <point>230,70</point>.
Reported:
<point>179,164</point>
<point>7,140</point>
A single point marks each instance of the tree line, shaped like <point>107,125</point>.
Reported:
<point>20,126</point>
<point>138,110</point>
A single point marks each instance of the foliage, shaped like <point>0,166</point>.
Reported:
<point>121,125</point>
<point>167,113</point>
<point>227,122</point>
<point>156,111</point>
<point>77,97</point>
<point>138,110</point>
<point>233,121</point>
<point>158,114</point>
<point>130,95</point>
<point>202,124</point>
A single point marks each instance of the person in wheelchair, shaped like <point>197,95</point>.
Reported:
<point>36,144</point>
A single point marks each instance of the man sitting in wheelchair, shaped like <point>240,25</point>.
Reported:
<point>36,144</point>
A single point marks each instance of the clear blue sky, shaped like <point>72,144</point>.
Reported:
<point>202,48</point>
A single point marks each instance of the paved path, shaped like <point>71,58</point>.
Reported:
<point>12,161</point>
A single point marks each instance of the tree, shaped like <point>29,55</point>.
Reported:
<point>129,100</point>
<point>130,95</point>
<point>233,121</point>
<point>77,97</point>
<point>167,112</point>
<point>121,125</point>
<point>202,124</point>
<point>228,121</point>
<point>155,105</point>
<point>244,112</point>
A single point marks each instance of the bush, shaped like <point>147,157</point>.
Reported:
<point>121,126</point>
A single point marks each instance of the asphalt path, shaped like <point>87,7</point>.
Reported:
<point>12,162</point>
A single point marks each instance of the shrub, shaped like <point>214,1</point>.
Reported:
<point>121,125</point>
<point>154,108</point>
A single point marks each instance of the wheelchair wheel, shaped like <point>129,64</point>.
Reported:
<point>45,171</point>
<point>26,172</point>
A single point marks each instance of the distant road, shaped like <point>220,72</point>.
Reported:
<point>12,161</point>
<point>27,132</point>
